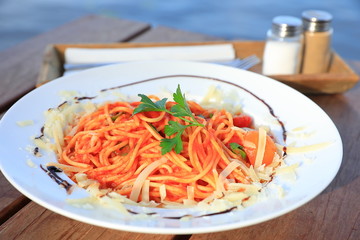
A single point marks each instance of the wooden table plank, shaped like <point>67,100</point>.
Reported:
<point>20,70</point>
<point>11,200</point>
<point>165,34</point>
<point>35,222</point>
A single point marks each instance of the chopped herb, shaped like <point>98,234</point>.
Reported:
<point>167,144</point>
<point>148,105</point>
<point>114,117</point>
<point>237,149</point>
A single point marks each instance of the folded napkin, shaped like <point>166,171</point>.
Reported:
<point>215,52</point>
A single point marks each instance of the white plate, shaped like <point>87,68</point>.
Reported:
<point>315,172</point>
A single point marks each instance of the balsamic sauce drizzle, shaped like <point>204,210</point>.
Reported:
<point>189,215</point>
<point>62,104</point>
<point>52,171</point>
<point>41,133</point>
<point>84,98</point>
<point>36,152</point>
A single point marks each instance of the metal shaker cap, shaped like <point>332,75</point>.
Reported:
<point>286,26</point>
<point>316,20</point>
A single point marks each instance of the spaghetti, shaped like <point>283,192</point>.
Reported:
<point>122,151</point>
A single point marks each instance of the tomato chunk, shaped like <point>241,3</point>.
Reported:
<point>270,148</point>
<point>242,121</point>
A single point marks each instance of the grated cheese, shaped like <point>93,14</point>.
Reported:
<point>25,123</point>
<point>44,144</point>
<point>220,189</point>
<point>218,99</point>
<point>135,192</point>
<point>236,196</point>
<point>190,192</point>
<point>145,191</point>
<point>162,190</point>
<point>287,169</point>
<point>308,148</point>
<point>249,189</point>
<point>253,175</point>
<point>113,203</point>
<point>30,163</point>
<point>94,190</point>
<point>86,203</point>
<point>67,95</point>
<point>261,147</point>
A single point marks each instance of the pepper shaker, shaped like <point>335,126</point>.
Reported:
<point>317,41</point>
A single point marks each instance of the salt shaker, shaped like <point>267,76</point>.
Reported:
<point>317,41</point>
<point>283,48</point>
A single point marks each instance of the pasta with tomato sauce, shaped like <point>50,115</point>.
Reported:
<point>164,156</point>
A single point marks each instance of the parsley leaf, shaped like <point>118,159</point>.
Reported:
<point>174,127</point>
<point>181,109</point>
<point>167,144</point>
<point>237,149</point>
<point>175,143</point>
<point>179,98</point>
<point>148,105</point>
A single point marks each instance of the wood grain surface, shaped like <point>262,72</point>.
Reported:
<point>20,70</point>
<point>35,222</point>
<point>334,214</point>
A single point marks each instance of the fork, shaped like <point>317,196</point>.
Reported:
<point>245,63</point>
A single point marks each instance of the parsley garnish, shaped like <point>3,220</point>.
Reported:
<point>237,149</point>
<point>180,109</point>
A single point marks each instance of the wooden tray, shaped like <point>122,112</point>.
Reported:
<point>340,77</point>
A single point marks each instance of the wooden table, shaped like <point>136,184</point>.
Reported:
<point>334,214</point>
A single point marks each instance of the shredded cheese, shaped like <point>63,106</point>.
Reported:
<point>135,192</point>
<point>44,144</point>
<point>190,192</point>
<point>222,176</point>
<point>235,196</point>
<point>25,123</point>
<point>162,190</point>
<point>30,163</point>
<point>145,191</point>
<point>261,147</point>
<point>308,148</point>
<point>249,189</point>
<point>287,169</point>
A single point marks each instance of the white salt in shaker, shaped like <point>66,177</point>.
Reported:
<point>283,48</point>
